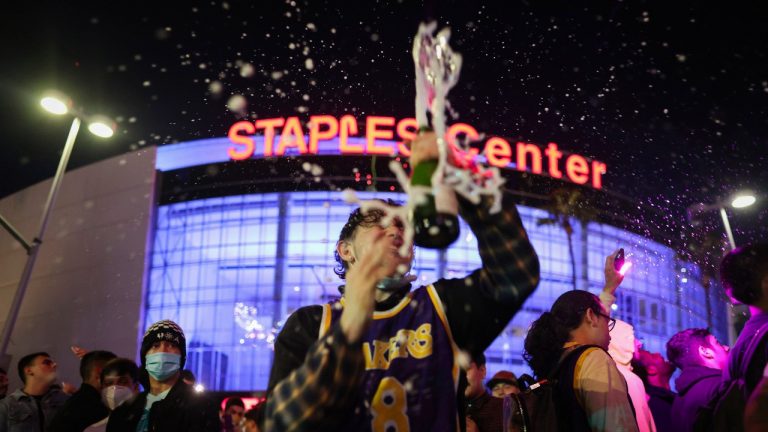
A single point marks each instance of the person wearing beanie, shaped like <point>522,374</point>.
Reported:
<point>503,383</point>
<point>168,404</point>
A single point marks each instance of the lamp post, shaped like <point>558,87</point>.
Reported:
<point>740,200</point>
<point>55,103</point>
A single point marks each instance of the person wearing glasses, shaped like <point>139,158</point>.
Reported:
<point>32,407</point>
<point>568,345</point>
<point>622,348</point>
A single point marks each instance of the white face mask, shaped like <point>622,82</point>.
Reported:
<point>115,395</point>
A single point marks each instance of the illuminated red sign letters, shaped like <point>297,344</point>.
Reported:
<point>281,134</point>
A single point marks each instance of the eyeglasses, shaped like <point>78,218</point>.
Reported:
<point>611,321</point>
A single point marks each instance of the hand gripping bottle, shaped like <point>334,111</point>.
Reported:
<point>434,215</point>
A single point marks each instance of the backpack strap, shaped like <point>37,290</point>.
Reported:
<point>578,351</point>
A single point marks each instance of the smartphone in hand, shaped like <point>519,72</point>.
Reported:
<point>618,260</point>
<point>620,264</point>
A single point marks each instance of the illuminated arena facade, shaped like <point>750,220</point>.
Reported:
<point>228,236</point>
<point>237,246</point>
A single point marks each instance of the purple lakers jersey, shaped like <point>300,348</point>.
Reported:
<point>411,369</point>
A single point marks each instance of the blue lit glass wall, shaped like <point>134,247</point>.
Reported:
<point>230,270</point>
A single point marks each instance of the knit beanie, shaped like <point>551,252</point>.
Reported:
<point>164,330</point>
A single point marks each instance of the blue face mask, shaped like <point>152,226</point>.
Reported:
<point>162,366</point>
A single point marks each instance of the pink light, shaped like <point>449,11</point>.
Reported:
<point>249,402</point>
<point>625,268</point>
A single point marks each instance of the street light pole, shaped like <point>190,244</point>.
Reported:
<point>33,248</point>
<point>727,225</point>
<point>744,199</point>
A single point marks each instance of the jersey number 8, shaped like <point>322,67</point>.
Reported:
<point>389,407</point>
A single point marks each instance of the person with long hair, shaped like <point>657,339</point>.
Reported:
<point>568,346</point>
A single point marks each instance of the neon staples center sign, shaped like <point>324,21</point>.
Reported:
<point>286,137</point>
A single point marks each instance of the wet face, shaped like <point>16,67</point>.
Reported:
<point>364,237</point>
<point>475,377</point>
<point>42,369</point>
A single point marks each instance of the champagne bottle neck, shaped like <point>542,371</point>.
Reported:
<point>422,173</point>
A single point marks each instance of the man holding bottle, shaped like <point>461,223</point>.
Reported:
<point>386,355</point>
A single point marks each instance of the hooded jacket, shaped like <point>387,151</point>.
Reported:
<point>696,385</point>
<point>622,348</point>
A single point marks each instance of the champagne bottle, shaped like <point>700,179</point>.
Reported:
<point>434,216</point>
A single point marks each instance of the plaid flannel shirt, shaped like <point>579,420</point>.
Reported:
<point>319,393</point>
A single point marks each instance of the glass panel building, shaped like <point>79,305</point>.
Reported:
<point>231,269</point>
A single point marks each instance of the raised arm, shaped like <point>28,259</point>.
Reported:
<point>479,306</point>
<point>612,281</point>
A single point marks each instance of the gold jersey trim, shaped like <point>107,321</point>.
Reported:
<point>441,313</point>
<point>325,321</point>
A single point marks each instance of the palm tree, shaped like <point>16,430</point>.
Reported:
<point>566,203</point>
<point>704,247</point>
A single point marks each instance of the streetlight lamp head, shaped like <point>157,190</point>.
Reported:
<point>101,126</point>
<point>56,102</point>
<point>743,200</point>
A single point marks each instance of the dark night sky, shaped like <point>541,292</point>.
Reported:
<point>673,96</point>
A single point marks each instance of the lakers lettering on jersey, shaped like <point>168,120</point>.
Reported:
<point>415,343</point>
<point>411,372</point>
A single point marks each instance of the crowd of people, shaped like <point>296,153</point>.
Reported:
<point>390,357</point>
<point>110,397</point>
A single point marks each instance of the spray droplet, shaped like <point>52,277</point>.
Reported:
<point>246,70</point>
<point>237,104</point>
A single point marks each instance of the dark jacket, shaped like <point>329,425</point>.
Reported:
<point>81,410</point>
<point>660,403</point>
<point>696,385</point>
<point>487,412</point>
<point>183,410</point>
<point>750,369</point>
